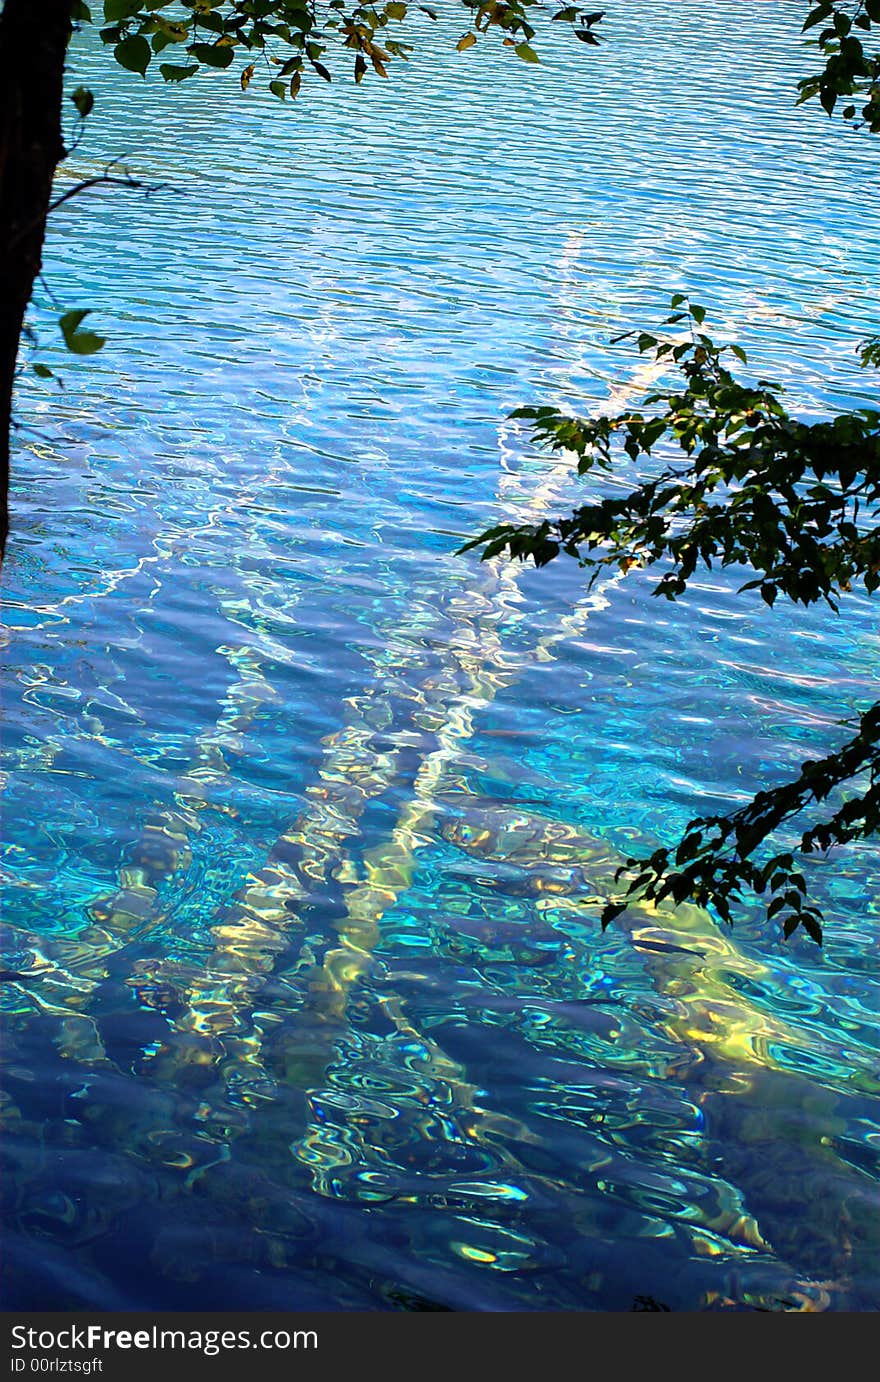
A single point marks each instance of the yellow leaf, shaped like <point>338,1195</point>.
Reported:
<point>246,77</point>
<point>467,42</point>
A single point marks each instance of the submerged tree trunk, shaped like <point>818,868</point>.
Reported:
<point>33,42</point>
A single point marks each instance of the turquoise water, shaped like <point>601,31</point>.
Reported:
<point>303,810</point>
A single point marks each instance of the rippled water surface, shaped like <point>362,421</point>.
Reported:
<point>303,809</point>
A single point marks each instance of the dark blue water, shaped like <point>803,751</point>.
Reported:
<point>305,813</point>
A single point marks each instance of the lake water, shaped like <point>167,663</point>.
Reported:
<point>304,811</point>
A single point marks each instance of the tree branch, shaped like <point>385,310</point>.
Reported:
<point>105,179</point>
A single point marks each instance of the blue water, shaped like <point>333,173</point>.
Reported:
<point>304,812</point>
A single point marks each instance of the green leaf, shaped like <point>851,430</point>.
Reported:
<point>120,9</point>
<point>79,342</point>
<point>527,54</point>
<point>80,12</point>
<point>173,73</point>
<point>816,16</point>
<point>610,912</point>
<point>43,372</point>
<point>813,929</point>
<point>83,100</point>
<point>212,54</point>
<point>133,54</point>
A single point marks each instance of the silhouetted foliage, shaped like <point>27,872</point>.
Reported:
<point>742,483</point>
<point>292,39</point>
<point>850,73</point>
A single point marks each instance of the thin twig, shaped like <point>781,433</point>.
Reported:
<point>105,179</point>
<point>48,291</point>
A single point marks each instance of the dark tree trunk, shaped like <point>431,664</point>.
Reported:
<point>33,43</point>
